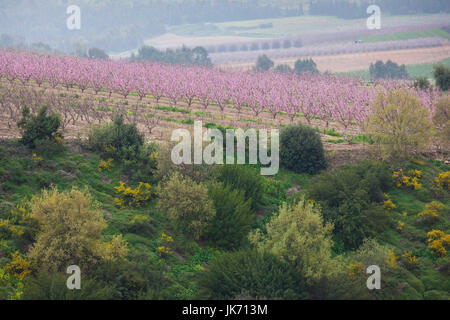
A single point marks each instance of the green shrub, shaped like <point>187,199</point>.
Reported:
<point>350,197</point>
<point>301,150</point>
<point>186,203</point>
<point>442,75</point>
<point>233,219</point>
<point>38,127</point>
<point>52,286</point>
<point>400,126</point>
<point>243,178</point>
<point>116,140</point>
<point>258,275</point>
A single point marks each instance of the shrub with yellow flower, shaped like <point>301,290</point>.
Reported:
<point>36,159</point>
<point>438,242</point>
<point>411,181</point>
<point>105,165</point>
<point>388,204</point>
<point>410,258</point>
<point>164,245</point>
<point>356,268</point>
<point>400,225</point>
<point>19,267</point>
<point>132,197</point>
<point>443,180</point>
<point>392,259</point>
<point>431,212</point>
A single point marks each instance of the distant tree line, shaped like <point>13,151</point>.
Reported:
<point>264,63</point>
<point>186,56</point>
<point>388,70</point>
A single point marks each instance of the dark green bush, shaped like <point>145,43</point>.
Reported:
<point>38,127</point>
<point>116,140</point>
<point>233,218</point>
<point>258,275</point>
<point>52,286</point>
<point>243,178</point>
<point>442,75</point>
<point>301,150</point>
<point>351,198</point>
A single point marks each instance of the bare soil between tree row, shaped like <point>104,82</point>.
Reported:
<point>338,152</point>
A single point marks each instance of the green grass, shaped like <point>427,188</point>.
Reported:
<point>290,26</point>
<point>428,33</point>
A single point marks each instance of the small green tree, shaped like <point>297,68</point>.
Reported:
<point>388,70</point>
<point>442,75</point>
<point>306,65</point>
<point>233,219</point>
<point>399,125</point>
<point>350,197</point>
<point>187,204</point>
<point>38,127</point>
<point>299,236</point>
<point>116,140</point>
<point>301,150</point>
<point>245,179</point>
<point>264,63</point>
<point>259,275</point>
<point>71,229</point>
<point>96,53</point>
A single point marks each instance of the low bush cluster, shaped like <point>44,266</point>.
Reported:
<point>351,198</point>
<point>301,150</point>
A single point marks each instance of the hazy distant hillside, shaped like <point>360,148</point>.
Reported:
<point>121,25</point>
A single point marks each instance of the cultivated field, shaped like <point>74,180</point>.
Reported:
<point>360,61</point>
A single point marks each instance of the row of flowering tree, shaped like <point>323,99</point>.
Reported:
<point>327,97</point>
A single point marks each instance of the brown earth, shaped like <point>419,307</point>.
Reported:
<point>361,61</point>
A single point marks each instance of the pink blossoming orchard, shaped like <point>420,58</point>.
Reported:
<point>240,99</point>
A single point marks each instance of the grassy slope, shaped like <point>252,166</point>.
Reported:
<point>20,178</point>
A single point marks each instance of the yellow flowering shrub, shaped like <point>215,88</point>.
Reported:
<point>400,226</point>
<point>19,267</point>
<point>58,138</point>
<point>356,268</point>
<point>408,256</point>
<point>409,181</point>
<point>438,242</point>
<point>19,220</point>
<point>164,245</point>
<point>388,204</point>
<point>36,159</point>
<point>105,165</point>
<point>128,197</point>
<point>154,156</point>
<point>392,259</point>
<point>417,161</point>
<point>431,212</point>
<point>11,286</point>
<point>443,180</point>
<point>139,219</point>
